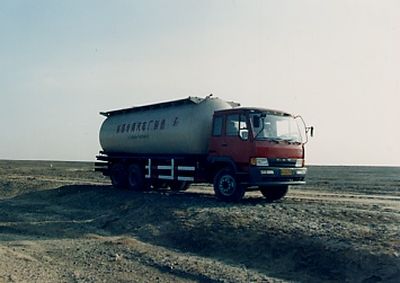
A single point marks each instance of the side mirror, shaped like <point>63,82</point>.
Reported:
<point>244,134</point>
<point>311,130</point>
<point>306,129</point>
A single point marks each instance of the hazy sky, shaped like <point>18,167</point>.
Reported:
<point>337,63</point>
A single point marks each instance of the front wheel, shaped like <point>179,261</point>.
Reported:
<point>226,186</point>
<point>274,192</point>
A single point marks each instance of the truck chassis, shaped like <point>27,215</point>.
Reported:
<point>144,172</point>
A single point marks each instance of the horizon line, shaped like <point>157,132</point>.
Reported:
<point>309,164</point>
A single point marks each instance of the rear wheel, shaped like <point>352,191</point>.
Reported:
<point>136,181</point>
<point>226,186</point>
<point>274,192</point>
<point>118,176</point>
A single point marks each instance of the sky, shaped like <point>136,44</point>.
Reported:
<point>336,63</point>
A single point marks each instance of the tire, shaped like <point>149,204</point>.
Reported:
<point>179,186</point>
<point>274,193</point>
<point>136,181</point>
<point>226,186</point>
<point>118,176</point>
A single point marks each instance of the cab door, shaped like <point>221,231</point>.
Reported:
<point>230,138</point>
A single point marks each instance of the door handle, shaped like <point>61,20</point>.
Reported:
<point>224,145</point>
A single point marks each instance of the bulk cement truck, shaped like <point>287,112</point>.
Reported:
<point>203,140</point>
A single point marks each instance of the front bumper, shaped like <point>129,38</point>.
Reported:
<point>267,176</point>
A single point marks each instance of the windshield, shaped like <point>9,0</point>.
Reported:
<point>275,127</point>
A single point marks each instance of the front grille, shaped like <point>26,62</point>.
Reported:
<point>282,162</point>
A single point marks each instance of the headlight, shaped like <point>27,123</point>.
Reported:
<point>259,161</point>
<point>299,163</point>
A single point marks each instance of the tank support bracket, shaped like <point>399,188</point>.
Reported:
<point>175,172</point>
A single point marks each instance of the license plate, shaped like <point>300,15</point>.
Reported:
<point>286,172</point>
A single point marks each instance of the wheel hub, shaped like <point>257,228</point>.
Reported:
<point>227,185</point>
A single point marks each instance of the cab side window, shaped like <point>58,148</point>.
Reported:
<point>217,126</point>
<point>234,123</point>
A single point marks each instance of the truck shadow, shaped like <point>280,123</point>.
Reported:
<point>74,210</point>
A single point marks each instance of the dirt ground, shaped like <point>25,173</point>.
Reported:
<point>62,222</point>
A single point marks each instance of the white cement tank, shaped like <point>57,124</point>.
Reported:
<point>174,127</point>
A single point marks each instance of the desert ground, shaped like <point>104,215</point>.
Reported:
<point>63,222</point>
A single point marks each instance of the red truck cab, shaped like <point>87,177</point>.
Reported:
<point>256,149</point>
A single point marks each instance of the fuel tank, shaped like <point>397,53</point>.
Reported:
<point>173,127</point>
